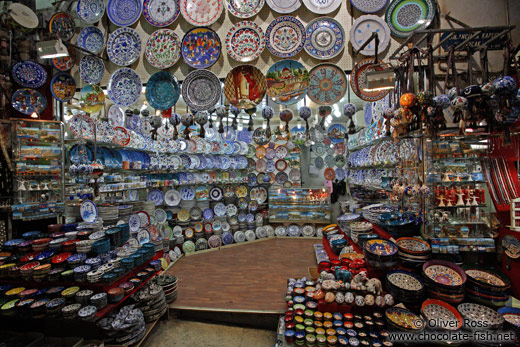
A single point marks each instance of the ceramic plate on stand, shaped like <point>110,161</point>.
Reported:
<point>328,84</point>
<point>325,38</point>
<point>245,87</point>
<point>161,13</point>
<point>124,12</point>
<point>285,36</point>
<point>91,69</point>
<point>288,81</point>
<point>90,11</point>
<point>244,8</point>
<point>201,48</point>
<point>123,46</point>
<point>245,41</point>
<point>322,6</point>
<point>201,12</point>
<point>201,90</point>
<point>362,30</point>
<point>405,16</point>
<point>124,87</point>
<point>284,6</point>
<point>358,80</point>
<point>369,6</point>
<point>162,90</point>
<point>163,48</point>
<point>91,39</point>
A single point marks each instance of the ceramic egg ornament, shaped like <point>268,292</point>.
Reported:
<point>187,121</point>
<point>175,120</point>
<point>286,116</point>
<point>267,115</point>
<point>251,112</point>
<point>235,112</point>
<point>221,113</point>
<point>201,118</point>
<point>349,110</point>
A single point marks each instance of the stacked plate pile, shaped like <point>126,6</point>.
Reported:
<point>169,286</point>
<point>511,316</point>
<point>380,253</point>
<point>444,280</point>
<point>83,296</point>
<point>405,287</point>
<point>99,300</point>
<point>80,273</point>
<point>124,212</point>
<point>95,275</point>
<point>114,235</point>
<point>87,313</point>
<point>26,270</point>
<point>372,212</point>
<point>54,306</point>
<point>149,207</point>
<point>404,320</point>
<point>126,327</point>
<point>40,272</point>
<point>399,224</point>
<point>94,263</point>
<point>116,294</point>
<point>475,314</point>
<point>345,219</point>
<point>54,274</point>
<point>151,300</point>
<point>39,245</point>
<point>357,229</point>
<point>486,286</point>
<point>70,311</point>
<point>125,232</point>
<point>84,246</point>
<point>108,213</point>
<point>101,246</point>
<point>55,245</point>
<point>413,252</point>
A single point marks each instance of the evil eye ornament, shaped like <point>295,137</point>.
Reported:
<point>267,112</point>
<point>472,91</point>
<point>305,112</point>
<point>221,111</point>
<point>505,85</point>
<point>349,110</point>
<point>442,101</point>
<point>459,103</point>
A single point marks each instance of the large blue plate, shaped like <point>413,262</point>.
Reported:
<point>285,36</point>
<point>162,90</point>
<point>325,38</point>
<point>27,101</point>
<point>124,87</point>
<point>90,11</point>
<point>201,48</point>
<point>124,46</point>
<point>63,86</point>
<point>91,39</point>
<point>91,69</point>
<point>29,74</point>
<point>124,12</point>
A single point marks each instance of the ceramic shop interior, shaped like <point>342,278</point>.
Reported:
<point>337,172</point>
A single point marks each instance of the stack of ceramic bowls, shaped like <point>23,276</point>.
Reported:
<point>373,212</point>
<point>345,219</point>
<point>80,273</point>
<point>151,300</point>
<point>99,300</point>
<point>149,207</point>
<point>444,280</point>
<point>116,294</point>
<point>474,315</point>
<point>40,244</point>
<point>70,311</point>
<point>114,235</point>
<point>40,272</point>
<point>444,315</point>
<point>94,276</point>
<point>83,296</point>
<point>84,246</point>
<point>101,246</point>
<point>511,316</point>
<point>126,328</point>
<point>380,253</point>
<point>87,313</point>
<point>405,287</point>
<point>53,307</point>
<point>486,286</point>
<point>413,252</point>
<point>359,228</point>
<point>404,320</point>
<point>399,224</point>
<point>169,286</point>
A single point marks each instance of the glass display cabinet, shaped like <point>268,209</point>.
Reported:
<point>299,205</point>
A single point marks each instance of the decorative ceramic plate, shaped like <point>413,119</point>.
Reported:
<point>161,13</point>
<point>91,39</point>
<point>369,6</point>
<point>381,247</point>
<point>405,318</point>
<point>88,211</point>
<point>405,280</point>
<point>245,41</point>
<point>443,313</point>
<point>27,101</point>
<point>124,87</point>
<point>65,63</point>
<point>413,245</point>
<point>122,138</point>
<point>244,8</point>
<point>201,90</point>
<point>29,74</point>
<point>92,98</point>
<point>62,25</point>
<point>405,16</point>
<point>201,48</point>
<point>486,276</point>
<point>245,87</point>
<point>90,11</point>
<point>284,6</point>
<point>511,315</point>
<point>63,86</point>
<point>91,69</point>
<point>358,79</point>
<point>362,30</point>
<point>445,273</point>
<point>479,313</point>
<point>162,90</point>
<point>328,84</point>
<point>172,197</point>
<point>163,49</point>
<point>324,39</point>
<point>285,36</point>
<point>336,133</point>
<point>116,116</point>
<point>322,6</point>
<point>201,12</point>
<point>124,12</point>
<point>123,46</point>
<point>287,82</point>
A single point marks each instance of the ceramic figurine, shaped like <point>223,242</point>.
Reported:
<point>340,298</point>
<point>380,301</point>
<point>360,301</point>
<point>349,298</point>
<point>389,300</point>
<point>369,300</point>
<point>373,285</point>
<point>358,282</point>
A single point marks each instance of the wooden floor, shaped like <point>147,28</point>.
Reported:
<point>249,277</point>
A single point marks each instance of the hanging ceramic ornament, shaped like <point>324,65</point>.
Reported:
<point>250,112</point>
<point>267,114</point>
<point>324,112</point>
<point>459,104</point>
<point>349,110</point>
<point>201,118</point>
<point>187,121</point>
<point>221,113</point>
<point>286,116</point>
<point>210,118</point>
<point>235,112</point>
<point>305,113</point>
<point>175,120</point>
<point>388,113</point>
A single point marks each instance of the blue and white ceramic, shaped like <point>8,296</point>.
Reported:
<point>91,39</point>
<point>208,214</point>
<point>91,69</point>
<point>172,198</point>
<point>124,87</point>
<point>143,236</point>
<point>325,38</point>
<point>285,36</point>
<point>216,194</point>
<point>27,101</point>
<point>162,90</point>
<point>362,30</point>
<point>156,196</point>
<point>29,74</point>
<point>124,46</point>
<point>187,193</point>
<point>369,6</point>
<point>90,11</point>
<point>134,222</point>
<point>322,6</point>
<point>88,211</point>
<point>161,13</point>
<point>201,90</point>
<point>220,209</point>
<point>124,12</point>
<point>505,85</point>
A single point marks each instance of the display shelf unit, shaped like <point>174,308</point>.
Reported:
<point>299,205</point>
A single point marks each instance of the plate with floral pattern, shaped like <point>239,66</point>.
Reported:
<point>116,116</point>
<point>444,273</point>
<point>405,16</point>
<point>124,46</point>
<point>358,79</point>
<point>201,48</point>
<point>328,84</point>
<point>124,12</point>
<point>163,48</point>
<point>90,11</point>
<point>29,74</point>
<point>322,6</point>
<point>405,318</point>
<point>91,39</point>
<point>284,6</point>
<point>201,90</point>
<point>244,8</point>
<point>124,87</point>
<point>325,38</point>
<point>91,69</point>
<point>479,313</point>
<point>201,12</point>
<point>285,36</point>
<point>443,312</point>
<point>161,13</point>
<point>405,280</point>
<point>245,41</point>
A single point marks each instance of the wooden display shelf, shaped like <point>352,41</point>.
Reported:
<point>283,221</point>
